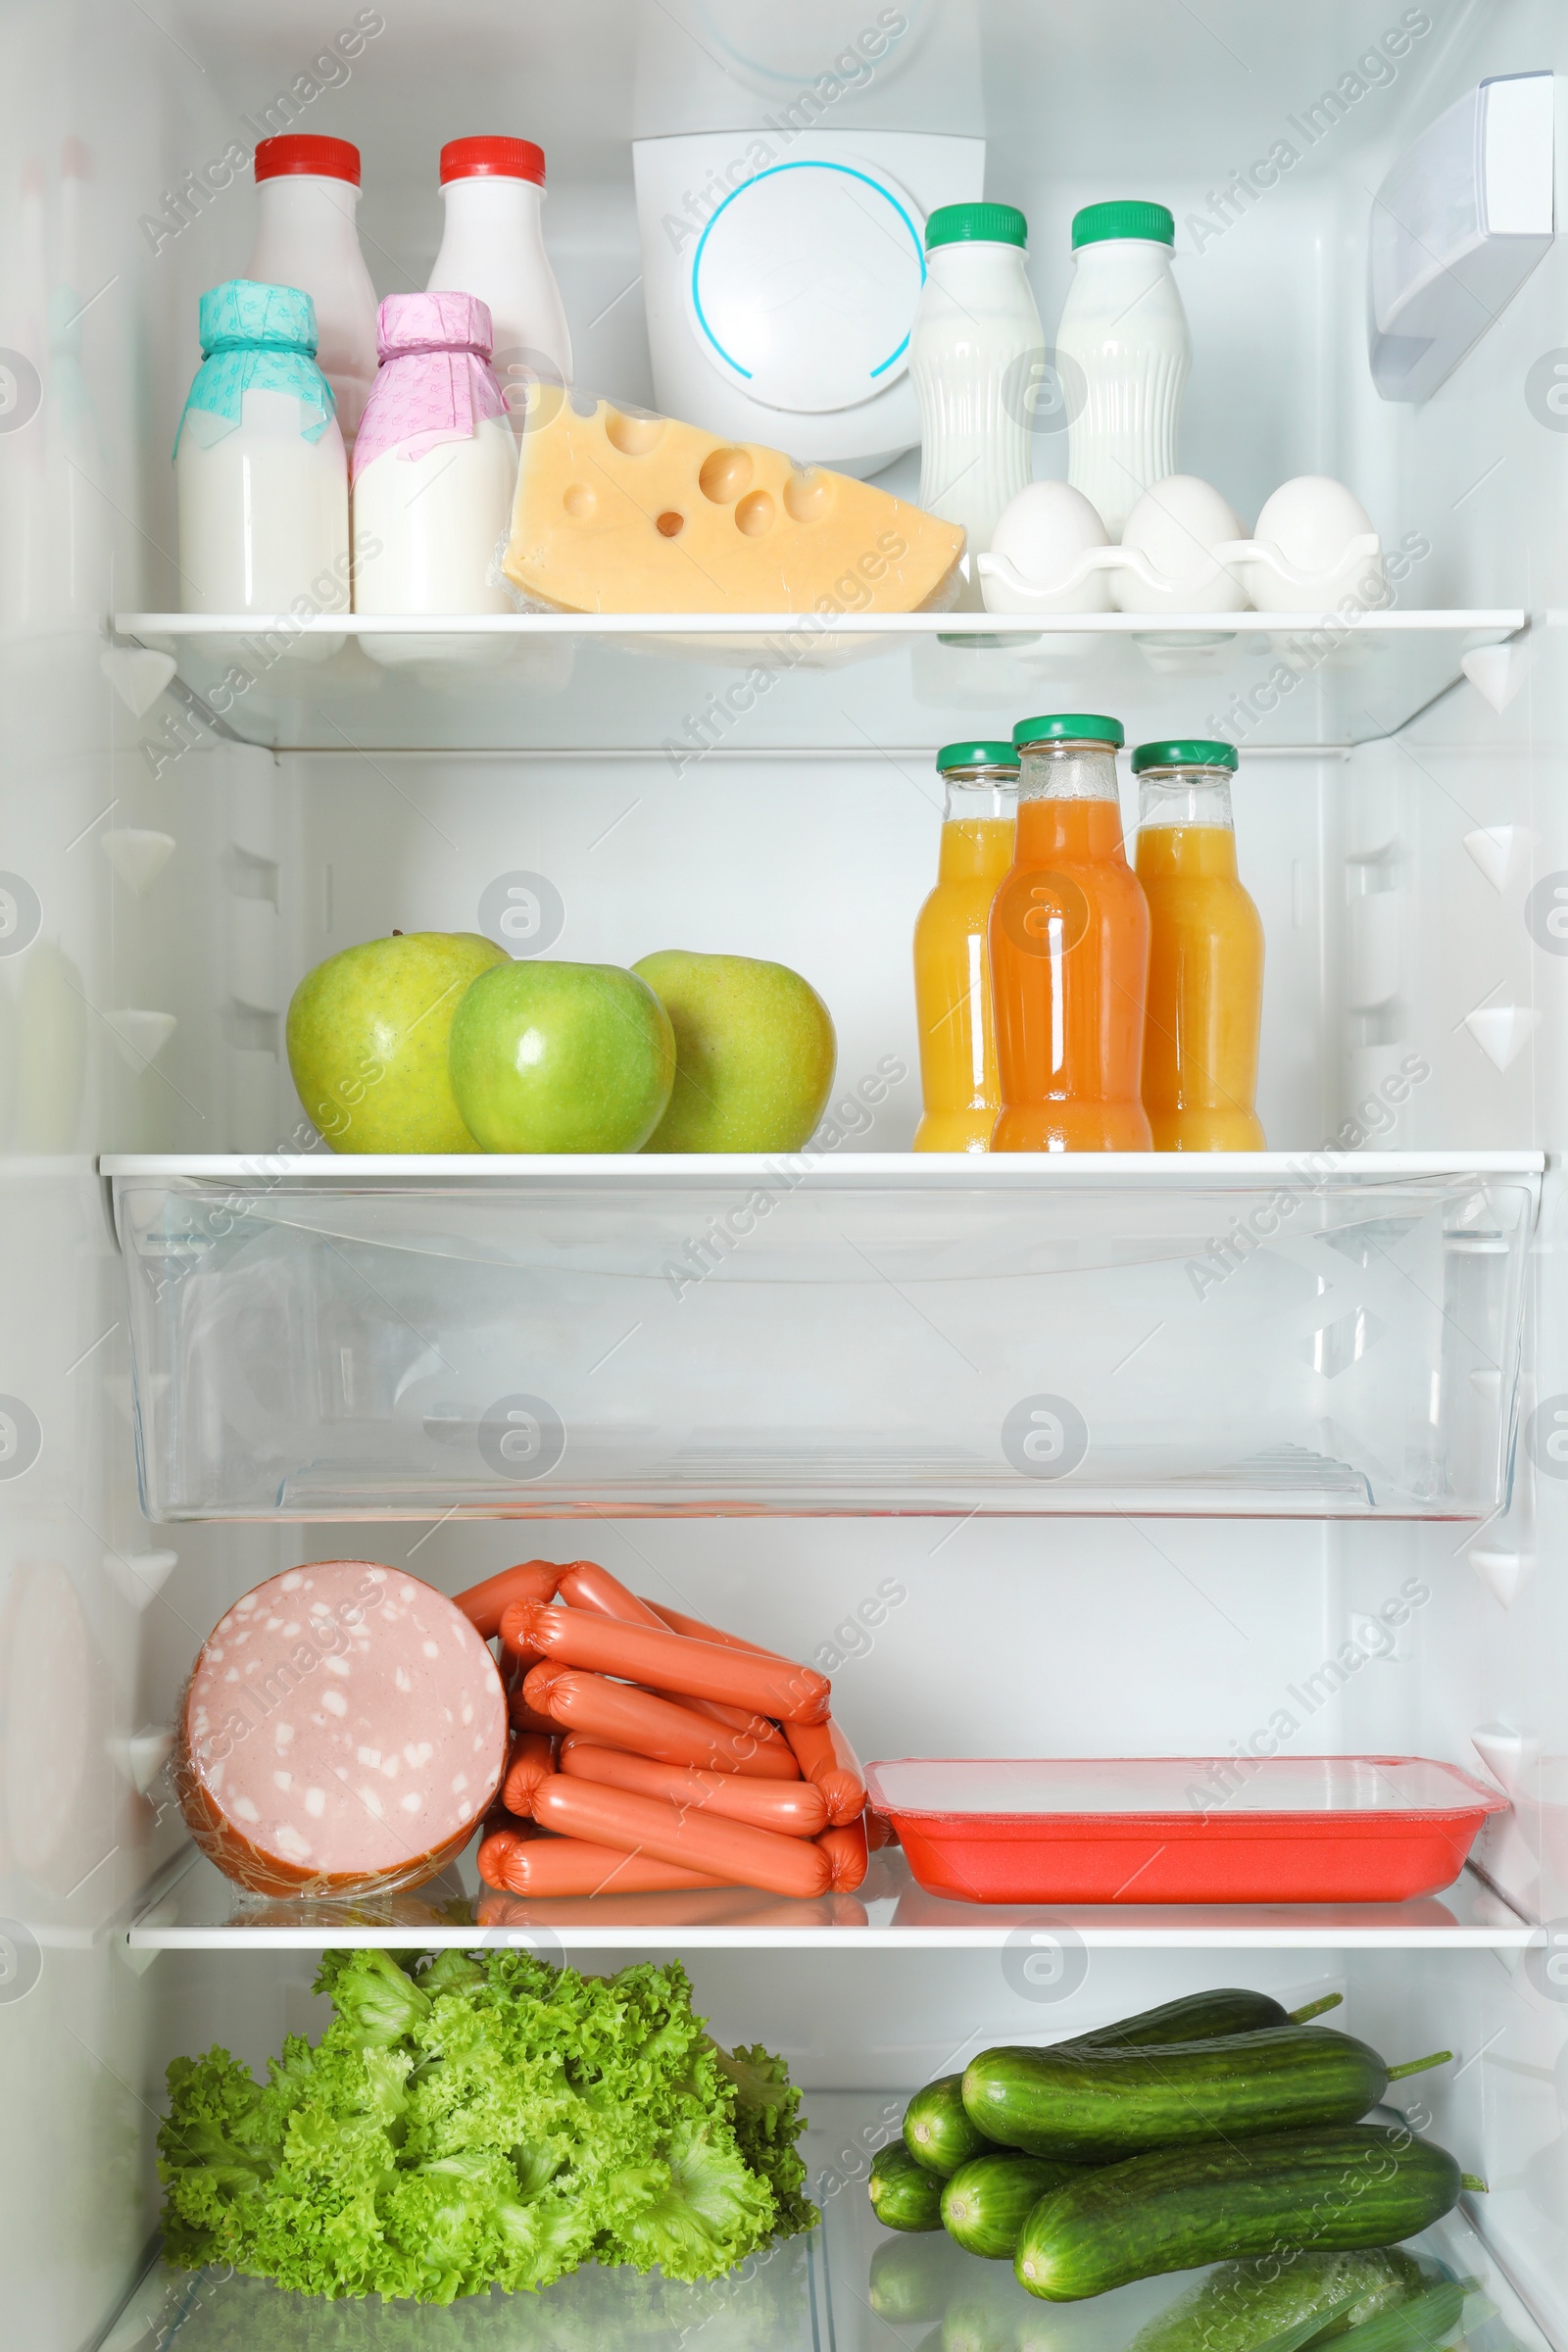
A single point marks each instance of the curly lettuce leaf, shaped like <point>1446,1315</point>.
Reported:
<point>480,2121</point>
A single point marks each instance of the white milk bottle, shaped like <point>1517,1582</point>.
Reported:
<point>494,246</point>
<point>975,341</point>
<point>307,194</point>
<point>1123,352</point>
<point>259,466</point>
<point>434,469</point>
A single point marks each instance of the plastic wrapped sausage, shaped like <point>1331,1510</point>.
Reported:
<point>758,1728</point>
<point>846,1851</point>
<point>666,1661</point>
<point>697,1631</point>
<point>532,1760</point>
<point>544,1866</point>
<point>792,1808</point>
<point>648,1825</point>
<point>826,1757</point>
<point>530,1580</point>
<point>343,1731</point>
<point>637,1721</point>
<point>587,1586</point>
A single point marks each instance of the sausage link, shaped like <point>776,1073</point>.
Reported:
<point>725,1849</point>
<point>792,1808</point>
<point>666,1661</point>
<point>531,1580</point>
<point>532,1760</point>
<point>587,1586</point>
<point>826,1757</point>
<point>543,1866</point>
<point>846,1853</point>
<point>624,1717</point>
<point>697,1631</point>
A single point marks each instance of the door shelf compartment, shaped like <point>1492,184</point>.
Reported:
<point>198,1909</point>
<point>1322,1336</point>
<point>689,684</point>
<point>805,2294</point>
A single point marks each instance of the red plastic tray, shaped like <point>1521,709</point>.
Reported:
<point>1181,1829</point>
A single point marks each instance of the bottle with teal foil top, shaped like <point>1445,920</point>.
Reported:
<point>259,466</point>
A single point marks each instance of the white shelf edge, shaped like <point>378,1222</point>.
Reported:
<point>1504,617</point>
<point>940,1170</point>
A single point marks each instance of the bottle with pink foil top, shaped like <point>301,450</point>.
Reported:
<point>434,469</point>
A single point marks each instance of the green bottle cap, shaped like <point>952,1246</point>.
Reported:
<point>1131,217</point>
<point>977,755</point>
<point>978,225</point>
<point>1192,751</point>
<point>1071,726</point>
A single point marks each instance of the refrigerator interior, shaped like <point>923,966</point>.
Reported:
<point>172,880</point>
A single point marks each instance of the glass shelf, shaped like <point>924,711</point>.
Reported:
<point>203,1911</point>
<point>851,2285</point>
<point>743,683</point>
<point>1322,1336</point>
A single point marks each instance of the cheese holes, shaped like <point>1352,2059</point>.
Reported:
<point>755,514</point>
<point>670,525</point>
<point>633,436</point>
<point>806,497</point>
<point>579,501</point>
<point>724,475</point>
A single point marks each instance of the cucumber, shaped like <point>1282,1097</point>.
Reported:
<point>914,2278</point>
<point>1087,2103</point>
<point>1243,2304</point>
<point>1197,2017</point>
<point>1361,2186</point>
<point>936,2130</point>
<point>987,2202</point>
<point>1418,2326</point>
<point>903,2194</point>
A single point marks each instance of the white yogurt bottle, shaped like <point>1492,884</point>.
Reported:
<point>307,194</point>
<point>494,246</point>
<point>973,348</point>
<point>259,465</point>
<point>434,469</point>
<point>1123,352</point>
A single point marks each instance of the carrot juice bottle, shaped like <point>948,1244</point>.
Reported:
<point>952,972</point>
<point>1206,961</point>
<point>1069,951</point>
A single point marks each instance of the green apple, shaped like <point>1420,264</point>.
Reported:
<point>367,1040</point>
<point>561,1057</point>
<point>755,1054</point>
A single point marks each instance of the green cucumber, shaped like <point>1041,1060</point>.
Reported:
<point>1364,2185</point>
<point>1243,2304</point>
<point>1199,2017</point>
<point>914,2278</point>
<point>1418,2326</point>
<point>1084,2104</point>
<point>936,2130</point>
<point>987,2202</point>
<point>903,2194</point>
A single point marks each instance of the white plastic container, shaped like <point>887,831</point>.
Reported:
<point>975,338</point>
<point>434,469</point>
<point>1123,352</point>
<point>494,246</point>
<point>260,466</point>
<point>307,194</point>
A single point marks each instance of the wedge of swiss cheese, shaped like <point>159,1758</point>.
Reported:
<point>634,513</point>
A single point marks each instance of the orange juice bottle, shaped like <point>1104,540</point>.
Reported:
<point>1206,961</point>
<point>1069,951</point>
<point>952,974</point>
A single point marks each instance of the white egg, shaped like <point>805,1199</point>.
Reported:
<point>1312,520</point>
<point>1044,529</point>
<point>1178,523</point>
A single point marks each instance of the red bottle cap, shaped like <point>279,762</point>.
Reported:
<point>303,151</point>
<point>492,159</point>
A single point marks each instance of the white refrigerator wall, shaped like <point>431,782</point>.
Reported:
<point>174,888</point>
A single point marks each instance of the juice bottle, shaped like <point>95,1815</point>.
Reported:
<point>952,974</point>
<point>1069,951</point>
<point>1205,962</point>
